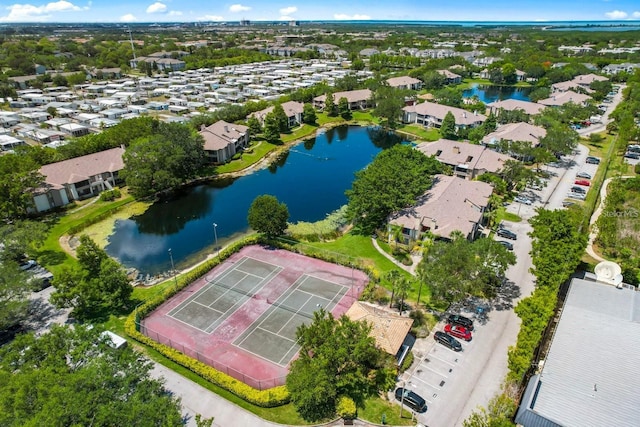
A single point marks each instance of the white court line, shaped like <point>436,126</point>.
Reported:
<point>243,299</point>
<point>261,261</point>
<point>261,356</point>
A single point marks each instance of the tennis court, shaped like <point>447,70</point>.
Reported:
<point>242,316</point>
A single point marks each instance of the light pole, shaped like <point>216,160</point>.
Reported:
<point>173,268</point>
<point>404,383</point>
<point>215,235</point>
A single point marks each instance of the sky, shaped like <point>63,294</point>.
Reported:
<point>145,11</point>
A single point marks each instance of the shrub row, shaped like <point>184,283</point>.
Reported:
<point>276,396</point>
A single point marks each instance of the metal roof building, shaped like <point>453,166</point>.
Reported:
<point>590,376</point>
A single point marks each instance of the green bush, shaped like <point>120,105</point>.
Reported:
<point>110,195</point>
<point>407,362</point>
<point>636,168</point>
<point>346,408</point>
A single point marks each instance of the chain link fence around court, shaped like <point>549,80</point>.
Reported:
<point>247,379</point>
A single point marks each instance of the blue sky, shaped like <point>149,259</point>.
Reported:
<point>270,10</point>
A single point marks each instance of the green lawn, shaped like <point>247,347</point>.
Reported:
<point>248,158</point>
<point>420,132</point>
<point>375,408</point>
<point>304,131</point>
<point>50,254</point>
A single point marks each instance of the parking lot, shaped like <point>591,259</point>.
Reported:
<point>451,381</point>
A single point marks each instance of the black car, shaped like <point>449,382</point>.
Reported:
<point>503,232</point>
<point>507,245</point>
<point>456,319</point>
<point>593,160</point>
<point>576,189</point>
<point>448,341</point>
<point>632,155</point>
<point>411,399</point>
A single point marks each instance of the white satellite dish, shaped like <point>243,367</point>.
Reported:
<point>608,272</point>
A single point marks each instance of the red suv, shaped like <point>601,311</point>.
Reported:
<point>457,331</point>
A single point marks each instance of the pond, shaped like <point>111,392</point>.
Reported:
<point>310,178</point>
<point>491,93</point>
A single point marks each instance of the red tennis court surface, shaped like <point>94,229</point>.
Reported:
<point>241,317</point>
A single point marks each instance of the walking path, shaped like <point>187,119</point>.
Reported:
<point>409,268</point>
<point>596,214</point>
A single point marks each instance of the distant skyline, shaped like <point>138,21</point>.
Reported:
<point>275,10</point>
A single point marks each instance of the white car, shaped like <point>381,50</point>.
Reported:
<point>523,200</point>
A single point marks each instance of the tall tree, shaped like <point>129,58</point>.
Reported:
<point>99,284</point>
<point>343,108</point>
<point>337,358</point>
<point>271,128</point>
<point>72,377</point>
<point>14,290</point>
<point>448,127</point>
<point>167,159</point>
<point>254,126</point>
<point>330,106</point>
<point>458,269</point>
<point>394,180</point>
<point>19,178</point>
<point>267,215</point>
<point>389,103</point>
<point>281,118</point>
<point>309,114</point>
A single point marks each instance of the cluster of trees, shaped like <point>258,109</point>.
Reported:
<point>557,247</point>
<point>338,358</point>
<point>166,159</point>
<point>393,180</point>
<point>619,215</point>
<point>97,286</point>
<point>459,268</point>
<point>72,377</point>
<point>19,239</point>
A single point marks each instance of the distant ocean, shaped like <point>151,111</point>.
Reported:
<point>550,25</point>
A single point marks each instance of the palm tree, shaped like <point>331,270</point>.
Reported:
<point>393,277</point>
<point>404,285</point>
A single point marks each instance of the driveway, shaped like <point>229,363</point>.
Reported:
<point>454,384</point>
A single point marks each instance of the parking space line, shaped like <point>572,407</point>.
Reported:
<point>445,361</point>
<point>433,370</point>
<point>427,383</point>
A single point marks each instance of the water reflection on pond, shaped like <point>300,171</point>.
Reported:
<point>310,178</point>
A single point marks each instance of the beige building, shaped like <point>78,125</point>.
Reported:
<point>292,109</point>
<point>466,160</point>
<point>451,204</point>
<point>223,140</point>
<point>405,82</point>
<point>78,178</point>
<point>390,330</point>
<point>431,114</point>
<point>357,99</point>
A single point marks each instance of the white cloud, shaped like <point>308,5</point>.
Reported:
<point>288,10</point>
<point>345,17</point>
<point>128,18</point>
<point>157,7</point>
<point>175,13</point>
<point>30,13</point>
<point>235,8</point>
<point>616,14</point>
<point>636,14</point>
<point>210,18</point>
